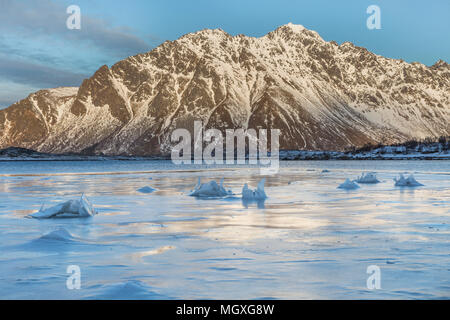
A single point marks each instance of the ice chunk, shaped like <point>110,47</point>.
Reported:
<point>129,290</point>
<point>408,182</point>
<point>369,177</point>
<point>210,189</point>
<point>58,235</point>
<point>69,209</point>
<point>348,185</point>
<point>146,189</point>
<point>257,194</point>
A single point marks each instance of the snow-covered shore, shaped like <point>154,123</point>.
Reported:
<point>420,152</point>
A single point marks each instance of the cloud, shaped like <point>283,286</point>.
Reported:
<point>38,51</point>
<point>14,93</point>
<point>45,17</point>
<point>38,75</point>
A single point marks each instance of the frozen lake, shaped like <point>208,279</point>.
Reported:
<point>308,240</point>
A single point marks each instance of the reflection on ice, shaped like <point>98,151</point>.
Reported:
<point>139,255</point>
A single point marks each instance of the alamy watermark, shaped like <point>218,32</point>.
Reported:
<point>73,282</point>
<point>256,152</point>
<point>74,20</point>
<point>374,20</point>
<point>374,280</point>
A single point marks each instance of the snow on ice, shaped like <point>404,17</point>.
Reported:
<point>257,194</point>
<point>369,177</point>
<point>70,209</point>
<point>210,189</point>
<point>408,182</point>
<point>348,185</point>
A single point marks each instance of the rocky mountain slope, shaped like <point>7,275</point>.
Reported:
<point>321,96</point>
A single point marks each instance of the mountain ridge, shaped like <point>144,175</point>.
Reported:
<point>320,94</point>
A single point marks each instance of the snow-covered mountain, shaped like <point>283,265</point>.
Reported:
<point>321,95</point>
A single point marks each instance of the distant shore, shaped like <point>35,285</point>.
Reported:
<point>384,153</point>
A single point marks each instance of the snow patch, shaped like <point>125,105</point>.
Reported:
<point>296,27</point>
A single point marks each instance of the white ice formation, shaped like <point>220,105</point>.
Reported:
<point>348,185</point>
<point>408,182</point>
<point>209,190</point>
<point>257,194</point>
<point>369,177</point>
<point>79,208</point>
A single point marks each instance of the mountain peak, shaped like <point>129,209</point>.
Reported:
<point>295,27</point>
<point>440,64</point>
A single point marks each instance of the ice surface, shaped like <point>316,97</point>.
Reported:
<point>257,194</point>
<point>146,189</point>
<point>210,189</point>
<point>408,182</point>
<point>79,208</point>
<point>369,177</point>
<point>348,185</point>
<point>309,228</point>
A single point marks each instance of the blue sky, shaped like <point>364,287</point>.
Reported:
<point>37,50</point>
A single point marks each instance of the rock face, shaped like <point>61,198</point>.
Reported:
<point>320,95</point>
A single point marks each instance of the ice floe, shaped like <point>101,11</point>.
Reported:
<point>257,194</point>
<point>348,185</point>
<point>146,189</point>
<point>408,182</point>
<point>79,208</point>
<point>369,177</point>
<point>210,189</point>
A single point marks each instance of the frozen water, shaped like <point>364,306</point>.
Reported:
<point>305,241</point>
<point>80,208</point>
<point>257,194</point>
<point>408,182</point>
<point>146,189</point>
<point>369,178</point>
<point>348,185</point>
<point>209,190</point>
